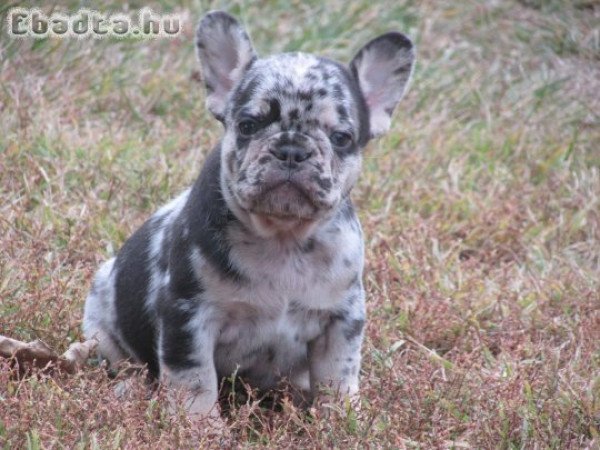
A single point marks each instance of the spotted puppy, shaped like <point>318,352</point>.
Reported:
<point>258,267</point>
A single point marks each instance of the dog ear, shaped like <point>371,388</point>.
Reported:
<point>225,52</point>
<point>383,68</point>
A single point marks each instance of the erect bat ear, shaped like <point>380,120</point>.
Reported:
<point>383,68</point>
<point>225,52</point>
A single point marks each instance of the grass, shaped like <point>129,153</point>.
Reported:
<point>481,210</point>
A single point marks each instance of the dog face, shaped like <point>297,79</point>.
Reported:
<point>294,127</point>
<point>295,123</point>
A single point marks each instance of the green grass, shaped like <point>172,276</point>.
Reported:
<point>480,207</point>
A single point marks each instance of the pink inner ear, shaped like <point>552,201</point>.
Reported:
<point>378,73</point>
<point>228,55</point>
<point>375,98</point>
<point>226,83</point>
<point>382,86</point>
<point>377,83</point>
<point>227,60</point>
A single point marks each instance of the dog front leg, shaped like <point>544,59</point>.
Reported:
<point>187,367</point>
<point>334,359</point>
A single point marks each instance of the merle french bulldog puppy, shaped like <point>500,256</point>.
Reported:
<point>258,267</point>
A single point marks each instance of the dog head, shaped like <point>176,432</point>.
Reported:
<point>295,123</point>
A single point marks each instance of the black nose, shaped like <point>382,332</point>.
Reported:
<point>291,153</point>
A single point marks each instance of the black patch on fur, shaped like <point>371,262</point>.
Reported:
<point>309,246</point>
<point>270,354</point>
<point>347,211</point>
<point>294,114</point>
<point>305,95</point>
<point>337,93</point>
<point>402,70</point>
<point>353,328</point>
<point>244,93</point>
<point>209,217</point>
<point>334,230</point>
<point>264,159</point>
<point>131,283</point>
<point>163,257</point>
<point>274,112</point>
<point>231,162</point>
<point>342,112</point>
<point>258,177</point>
<point>220,118</point>
<point>241,143</point>
<point>324,183</point>
<point>350,327</point>
<point>295,306</point>
<point>349,151</point>
<point>177,341</point>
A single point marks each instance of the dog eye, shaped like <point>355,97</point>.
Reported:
<point>340,139</point>
<point>248,127</point>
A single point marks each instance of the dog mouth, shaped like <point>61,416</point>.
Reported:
<point>284,200</point>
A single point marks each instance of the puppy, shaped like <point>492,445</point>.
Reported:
<point>257,268</point>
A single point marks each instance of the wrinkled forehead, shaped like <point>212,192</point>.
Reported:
<point>302,84</point>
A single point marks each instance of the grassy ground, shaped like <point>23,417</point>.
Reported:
<point>481,210</point>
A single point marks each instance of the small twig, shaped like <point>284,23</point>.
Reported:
<point>39,355</point>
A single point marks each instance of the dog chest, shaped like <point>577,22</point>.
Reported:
<point>264,344</point>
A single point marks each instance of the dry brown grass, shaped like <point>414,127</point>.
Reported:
<point>481,210</point>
